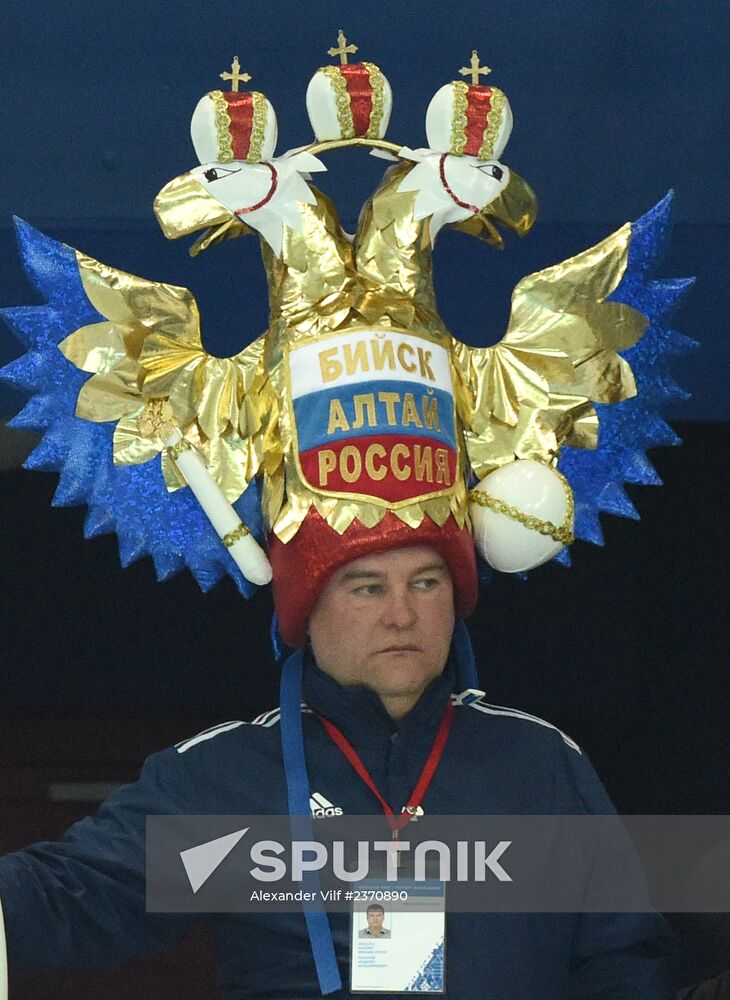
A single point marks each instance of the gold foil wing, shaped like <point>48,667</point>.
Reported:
<point>133,308</point>
<point>151,374</point>
<point>532,392</point>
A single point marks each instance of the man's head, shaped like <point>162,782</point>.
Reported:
<point>375,915</point>
<point>305,564</point>
<point>385,621</point>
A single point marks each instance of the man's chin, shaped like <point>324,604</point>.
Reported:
<point>400,673</point>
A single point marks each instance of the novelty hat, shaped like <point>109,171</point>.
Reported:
<point>356,422</point>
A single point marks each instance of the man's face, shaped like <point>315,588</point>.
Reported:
<point>386,621</point>
<point>375,920</point>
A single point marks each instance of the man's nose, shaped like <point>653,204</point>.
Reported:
<point>400,609</point>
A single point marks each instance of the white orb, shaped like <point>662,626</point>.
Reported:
<point>532,488</point>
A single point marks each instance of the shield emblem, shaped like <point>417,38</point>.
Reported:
<point>373,414</point>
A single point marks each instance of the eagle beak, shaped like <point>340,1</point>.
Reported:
<point>185,206</point>
<point>515,208</point>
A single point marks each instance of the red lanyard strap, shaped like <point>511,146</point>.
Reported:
<point>429,768</point>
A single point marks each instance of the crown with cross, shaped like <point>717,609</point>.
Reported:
<point>469,119</point>
<point>235,124</point>
<point>351,102</point>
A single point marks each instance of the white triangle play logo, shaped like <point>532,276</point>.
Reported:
<point>201,861</point>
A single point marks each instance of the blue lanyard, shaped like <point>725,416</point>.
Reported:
<point>297,784</point>
<point>300,817</point>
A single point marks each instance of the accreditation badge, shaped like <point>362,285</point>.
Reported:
<point>398,937</point>
<point>374,415</point>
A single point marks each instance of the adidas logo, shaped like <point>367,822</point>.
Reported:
<point>320,806</point>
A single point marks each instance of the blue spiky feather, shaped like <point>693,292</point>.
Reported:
<point>627,429</point>
<point>130,500</point>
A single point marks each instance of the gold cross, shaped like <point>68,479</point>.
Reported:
<point>474,69</point>
<point>235,76</point>
<point>342,48</point>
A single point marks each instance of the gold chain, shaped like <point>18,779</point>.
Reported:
<point>563,534</point>
<point>494,123</point>
<point>458,119</point>
<point>342,101</point>
<point>222,126</point>
<point>258,127</point>
<point>176,450</point>
<point>233,536</point>
<point>378,100</point>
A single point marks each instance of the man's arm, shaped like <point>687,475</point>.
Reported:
<point>81,900</point>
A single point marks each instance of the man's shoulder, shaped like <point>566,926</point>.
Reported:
<point>207,767</point>
<point>223,734</point>
<point>512,724</point>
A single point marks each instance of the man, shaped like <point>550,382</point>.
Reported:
<point>375,915</point>
<point>382,667</point>
<point>368,426</point>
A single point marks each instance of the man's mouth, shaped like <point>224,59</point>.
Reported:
<point>401,649</point>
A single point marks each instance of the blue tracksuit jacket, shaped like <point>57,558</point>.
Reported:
<point>81,900</point>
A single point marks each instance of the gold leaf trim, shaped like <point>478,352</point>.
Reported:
<point>129,447</point>
<point>234,536</point>
<point>174,479</point>
<point>458,119</point>
<point>176,450</point>
<point>110,397</point>
<point>494,123</point>
<point>563,534</point>
<point>222,126</point>
<point>378,100</point>
<point>100,347</point>
<point>157,420</point>
<point>342,101</point>
<point>258,128</point>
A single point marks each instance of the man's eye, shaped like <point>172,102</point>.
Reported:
<point>426,583</point>
<point>367,589</point>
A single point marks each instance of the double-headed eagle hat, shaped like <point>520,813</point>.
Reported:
<point>356,422</point>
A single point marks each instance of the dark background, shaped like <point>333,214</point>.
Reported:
<point>613,104</point>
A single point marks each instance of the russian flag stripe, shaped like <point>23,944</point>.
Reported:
<point>368,356</point>
<point>394,468</point>
<point>354,411</point>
